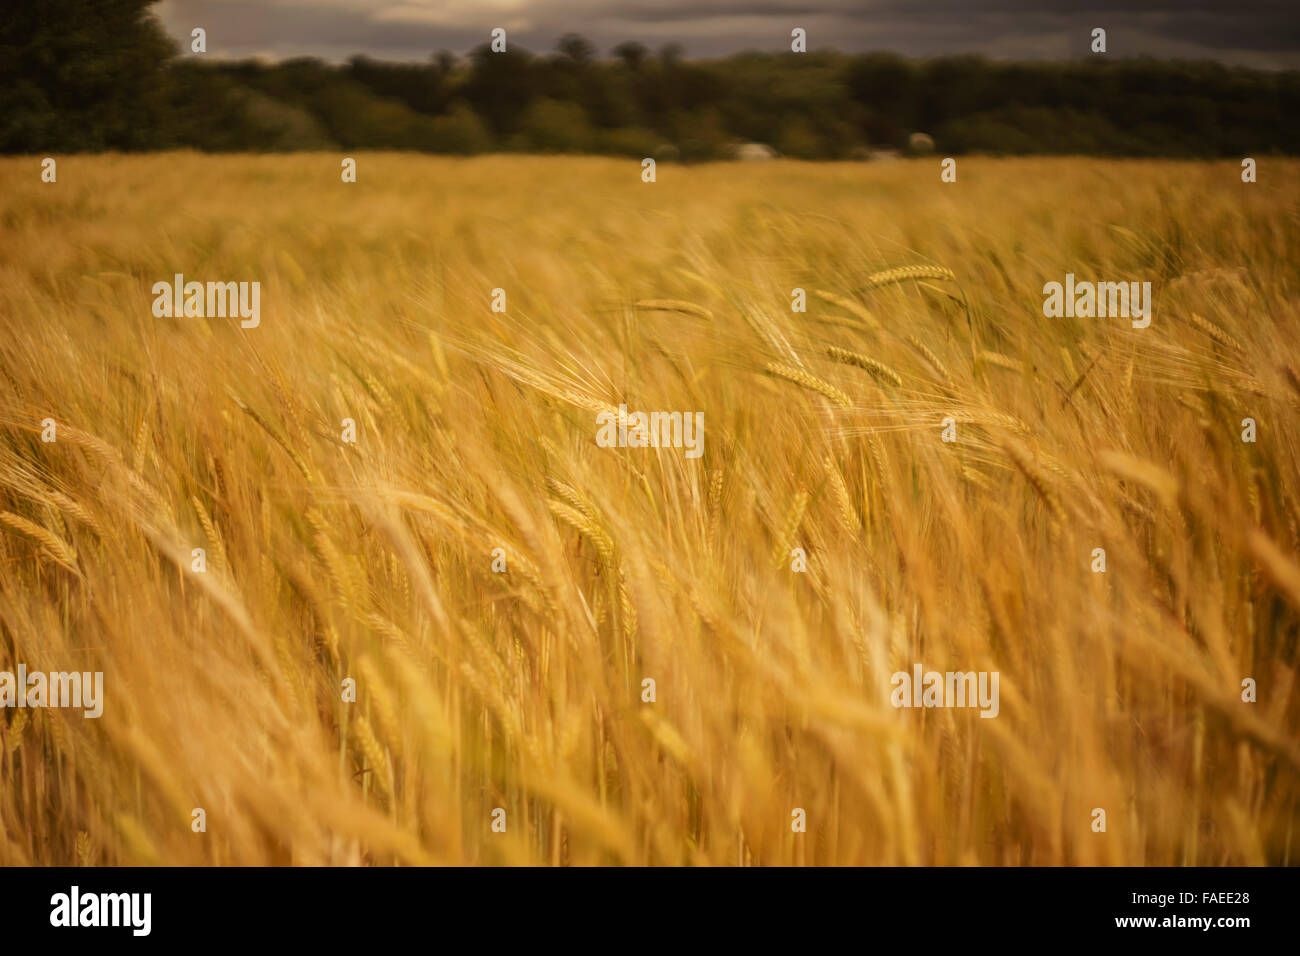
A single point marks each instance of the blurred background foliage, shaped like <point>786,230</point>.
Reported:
<point>87,75</point>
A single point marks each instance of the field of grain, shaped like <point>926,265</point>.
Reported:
<point>477,689</point>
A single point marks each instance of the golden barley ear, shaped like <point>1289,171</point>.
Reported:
<point>53,547</point>
<point>856,308</point>
<point>808,381</point>
<point>376,757</point>
<point>77,510</point>
<point>793,518</point>
<point>141,441</point>
<point>916,273</point>
<point>210,531</point>
<point>905,274</point>
<point>1000,360</point>
<point>1037,480</point>
<point>85,856</point>
<point>926,353</point>
<point>879,369</point>
<point>843,500</point>
<point>14,732</point>
<point>586,527</point>
<point>627,607</point>
<point>1216,332</point>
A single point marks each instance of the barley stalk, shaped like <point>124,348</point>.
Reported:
<point>675,305</point>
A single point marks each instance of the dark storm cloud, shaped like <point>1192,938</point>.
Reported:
<point>1263,33</point>
<point>1272,25</point>
<point>717,9</point>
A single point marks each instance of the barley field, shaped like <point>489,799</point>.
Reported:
<point>497,588</point>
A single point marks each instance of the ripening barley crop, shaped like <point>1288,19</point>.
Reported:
<point>429,594</point>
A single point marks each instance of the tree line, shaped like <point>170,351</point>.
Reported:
<point>83,75</point>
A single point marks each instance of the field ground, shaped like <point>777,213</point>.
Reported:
<point>522,690</point>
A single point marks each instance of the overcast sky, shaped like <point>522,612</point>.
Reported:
<point>1261,33</point>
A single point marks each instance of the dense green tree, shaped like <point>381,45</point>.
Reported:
<point>501,86</point>
<point>632,54</point>
<point>576,48</point>
<point>81,75</point>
